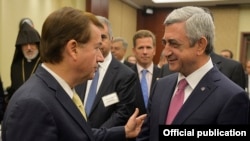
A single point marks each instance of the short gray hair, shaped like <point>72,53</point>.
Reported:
<point>120,39</point>
<point>105,21</point>
<point>198,23</point>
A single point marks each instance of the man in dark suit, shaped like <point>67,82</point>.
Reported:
<point>42,109</point>
<point>115,98</point>
<point>209,97</point>
<point>231,68</point>
<point>144,48</point>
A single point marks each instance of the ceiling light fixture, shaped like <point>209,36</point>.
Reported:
<point>149,11</point>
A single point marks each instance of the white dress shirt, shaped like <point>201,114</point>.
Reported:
<point>194,78</point>
<point>102,71</point>
<point>149,75</point>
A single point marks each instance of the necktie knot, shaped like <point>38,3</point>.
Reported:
<point>144,71</point>
<point>182,84</point>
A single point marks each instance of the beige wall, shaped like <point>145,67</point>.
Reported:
<point>123,20</point>
<point>226,21</point>
<point>244,19</point>
<point>12,11</point>
<point>230,22</point>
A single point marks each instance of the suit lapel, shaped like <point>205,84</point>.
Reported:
<point>69,105</point>
<point>64,100</point>
<point>156,75</point>
<point>166,97</point>
<point>108,76</point>
<point>81,90</point>
<point>202,91</point>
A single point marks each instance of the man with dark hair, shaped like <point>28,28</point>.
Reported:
<point>46,107</point>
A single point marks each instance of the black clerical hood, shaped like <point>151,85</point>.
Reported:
<point>27,34</point>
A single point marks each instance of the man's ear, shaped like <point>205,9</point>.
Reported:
<point>202,44</point>
<point>71,48</point>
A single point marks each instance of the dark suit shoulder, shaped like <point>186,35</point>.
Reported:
<point>157,71</point>
<point>128,63</point>
<point>124,68</point>
<point>165,70</point>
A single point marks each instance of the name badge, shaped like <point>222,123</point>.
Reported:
<point>110,99</point>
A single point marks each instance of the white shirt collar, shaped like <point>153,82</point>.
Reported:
<point>122,61</point>
<point>61,82</point>
<point>150,68</point>
<point>106,61</point>
<point>194,78</point>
